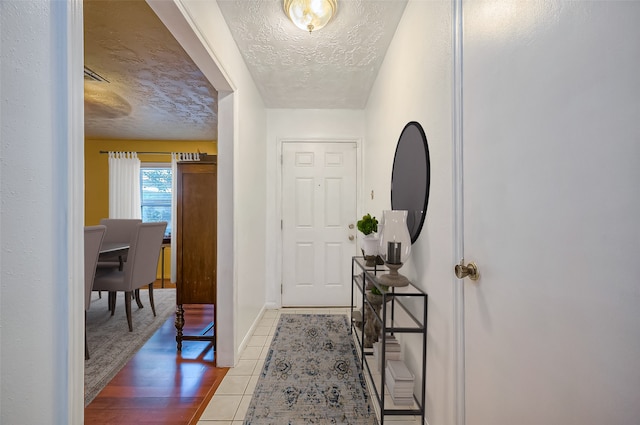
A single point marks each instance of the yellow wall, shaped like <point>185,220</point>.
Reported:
<point>96,172</point>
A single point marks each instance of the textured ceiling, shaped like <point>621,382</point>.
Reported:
<point>156,92</point>
<point>334,67</point>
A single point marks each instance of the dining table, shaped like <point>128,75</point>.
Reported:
<point>113,247</point>
<point>108,250</point>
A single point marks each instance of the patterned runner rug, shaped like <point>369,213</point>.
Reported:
<point>311,375</point>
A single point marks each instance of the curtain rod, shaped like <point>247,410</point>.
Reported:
<point>155,153</point>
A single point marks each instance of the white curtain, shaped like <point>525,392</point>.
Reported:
<point>175,157</point>
<point>124,185</point>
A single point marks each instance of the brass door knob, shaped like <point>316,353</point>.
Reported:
<point>351,237</point>
<point>470,270</point>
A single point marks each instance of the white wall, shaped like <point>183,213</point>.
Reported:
<point>41,147</point>
<point>203,33</point>
<point>297,125</point>
<point>415,84</point>
<point>249,151</point>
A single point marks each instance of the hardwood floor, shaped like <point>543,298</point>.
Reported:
<point>159,386</point>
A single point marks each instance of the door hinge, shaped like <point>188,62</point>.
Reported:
<point>281,224</point>
<point>281,289</point>
<point>281,159</point>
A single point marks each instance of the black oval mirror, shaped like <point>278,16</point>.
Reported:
<point>410,177</point>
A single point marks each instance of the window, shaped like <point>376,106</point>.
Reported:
<point>155,196</point>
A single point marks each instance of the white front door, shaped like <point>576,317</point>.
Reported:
<point>318,223</point>
<point>552,212</point>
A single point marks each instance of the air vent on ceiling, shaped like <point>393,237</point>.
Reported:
<point>90,75</point>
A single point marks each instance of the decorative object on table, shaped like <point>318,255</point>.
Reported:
<point>356,318</point>
<point>368,226</point>
<point>311,374</point>
<point>393,351</point>
<point>410,178</point>
<point>372,327</point>
<point>396,239</point>
<point>399,381</point>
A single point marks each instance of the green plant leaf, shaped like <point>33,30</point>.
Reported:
<point>368,224</point>
<point>376,291</point>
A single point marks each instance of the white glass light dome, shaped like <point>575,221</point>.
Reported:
<point>310,15</point>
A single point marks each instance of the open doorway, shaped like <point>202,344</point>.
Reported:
<point>223,133</point>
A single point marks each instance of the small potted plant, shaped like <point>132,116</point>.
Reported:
<point>368,226</point>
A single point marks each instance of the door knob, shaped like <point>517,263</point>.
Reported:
<point>351,237</point>
<point>470,270</point>
<point>351,226</point>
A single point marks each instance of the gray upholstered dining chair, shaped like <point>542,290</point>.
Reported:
<point>118,230</point>
<point>93,236</point>
<point>140,268</point>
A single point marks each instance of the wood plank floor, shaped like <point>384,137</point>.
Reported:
<point>158,385</point>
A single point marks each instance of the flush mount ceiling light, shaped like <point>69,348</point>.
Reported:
<point>310,15</point>
<point>102,102</point>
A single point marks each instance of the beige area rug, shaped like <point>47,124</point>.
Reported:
<point>311,375</point>
<point>111,344</point>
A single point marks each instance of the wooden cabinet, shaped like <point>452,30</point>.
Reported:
<point>196,233</point>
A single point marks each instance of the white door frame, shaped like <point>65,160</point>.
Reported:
<point>458,217</point>
<point>359,178</point>
<point>75,219</point>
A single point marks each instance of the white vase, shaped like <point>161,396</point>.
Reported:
<point>370,244</point>
<point>370,248</point>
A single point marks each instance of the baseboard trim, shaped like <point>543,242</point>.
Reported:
<point>249,333</point>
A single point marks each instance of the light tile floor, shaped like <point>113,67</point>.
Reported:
<point>231,400</point>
